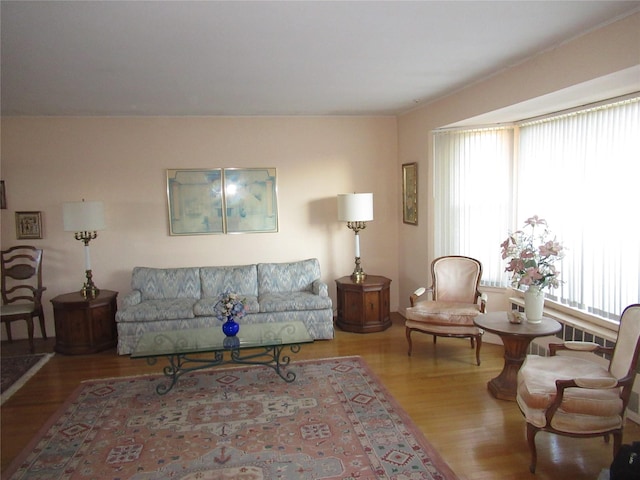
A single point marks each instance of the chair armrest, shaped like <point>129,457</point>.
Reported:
<point>579,347</point>
<point>37,295</point>
<point>418,293</point>
<point>588,383</point>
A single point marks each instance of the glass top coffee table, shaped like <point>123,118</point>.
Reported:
<point>198,348</point>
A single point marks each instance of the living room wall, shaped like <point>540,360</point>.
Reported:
<point>573,66</point>
<point>122,161</point>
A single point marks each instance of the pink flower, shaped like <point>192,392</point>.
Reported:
<point>535,220</point>
<point>551,248</point>
<point>515,265</point>
<point>531,274</point>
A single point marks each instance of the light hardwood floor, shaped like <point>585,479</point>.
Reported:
<point>439,386</point>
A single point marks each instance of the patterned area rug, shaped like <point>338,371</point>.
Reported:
<point>335,421</point>
<point>16,371</point>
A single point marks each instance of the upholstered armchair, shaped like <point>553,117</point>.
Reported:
<point>571,395</point>
<point>453,304</point>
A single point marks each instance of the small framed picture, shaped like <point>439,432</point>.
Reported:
<point>28,225</point>
<point>410,193</point>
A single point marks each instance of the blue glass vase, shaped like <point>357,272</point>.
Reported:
<point>230,327</point>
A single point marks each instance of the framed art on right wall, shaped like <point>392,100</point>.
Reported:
<point>410,193</point>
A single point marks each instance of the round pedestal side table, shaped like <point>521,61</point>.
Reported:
<point>516,338</point>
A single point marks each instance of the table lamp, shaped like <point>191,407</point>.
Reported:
<point>85,219</point>
<point>356,209</point>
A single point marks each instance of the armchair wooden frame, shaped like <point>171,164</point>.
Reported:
<point>476,300</point>
<point>21,289</point>
<point>624,383</point>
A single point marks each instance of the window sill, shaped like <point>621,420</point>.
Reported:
<point>597,326</point>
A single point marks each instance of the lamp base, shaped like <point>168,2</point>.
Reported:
<point>358,274</point>
<point>89,290</point>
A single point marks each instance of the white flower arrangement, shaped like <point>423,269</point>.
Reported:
<point>229,305</point>
<point>532,254</point>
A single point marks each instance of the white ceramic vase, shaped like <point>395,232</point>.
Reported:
<point>533,304</point>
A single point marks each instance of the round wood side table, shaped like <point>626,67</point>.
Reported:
<point>516,338</point>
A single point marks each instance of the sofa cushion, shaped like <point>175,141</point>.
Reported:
<point>166,283</point>
<point>241,279</point>
<point>153,310</point>
<point>284,302</point>
<point>206,306</point>
<point>287,277</point>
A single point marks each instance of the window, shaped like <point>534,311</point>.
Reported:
<point>580,171</point>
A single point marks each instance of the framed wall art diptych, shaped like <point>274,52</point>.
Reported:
<point>222,200</point>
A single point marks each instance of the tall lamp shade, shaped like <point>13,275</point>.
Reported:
<point>85,219</point>
<point>83,216</point>
<point>356,209</point>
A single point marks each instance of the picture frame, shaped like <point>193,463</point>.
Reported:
<point>3,196</point>
<point>410,193</point>
<point>28,225</point>
<point>222,200</point>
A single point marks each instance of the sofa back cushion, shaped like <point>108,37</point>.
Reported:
<point>166,283</point>
<point>288,277</point>
<point>240,279</point>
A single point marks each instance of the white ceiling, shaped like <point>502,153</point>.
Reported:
<point>268,57</point>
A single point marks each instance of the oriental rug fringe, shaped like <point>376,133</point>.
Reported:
<point>335,421</point>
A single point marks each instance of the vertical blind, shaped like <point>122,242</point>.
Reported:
<point>579,171</point>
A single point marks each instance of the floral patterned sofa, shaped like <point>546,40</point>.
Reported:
<point>180,298</point>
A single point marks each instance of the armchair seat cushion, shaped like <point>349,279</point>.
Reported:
<point>443,330</point>
<point>17,308</point>
<point>582,409</point>
<point>443,313</point>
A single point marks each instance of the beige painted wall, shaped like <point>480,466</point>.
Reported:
<point>611,49</point>
<point>123,161</point>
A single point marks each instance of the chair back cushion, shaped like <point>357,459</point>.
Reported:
<point>456,279</point>
<point>625,355</point>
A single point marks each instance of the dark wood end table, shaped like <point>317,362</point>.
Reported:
<point>363,307</point>
<point>85,325</point>
<point>516,338</point>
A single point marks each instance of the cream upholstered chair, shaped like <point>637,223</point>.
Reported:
<point>570,395</point>
<point>455,301</point>
<point>21,287</point>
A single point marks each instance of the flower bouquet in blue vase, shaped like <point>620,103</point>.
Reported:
<point>229,309</point>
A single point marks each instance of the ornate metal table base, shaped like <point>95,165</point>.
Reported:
<point>270,356</point>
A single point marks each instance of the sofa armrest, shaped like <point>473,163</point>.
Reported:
<point>320,288</point>
<point>132,298</point>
